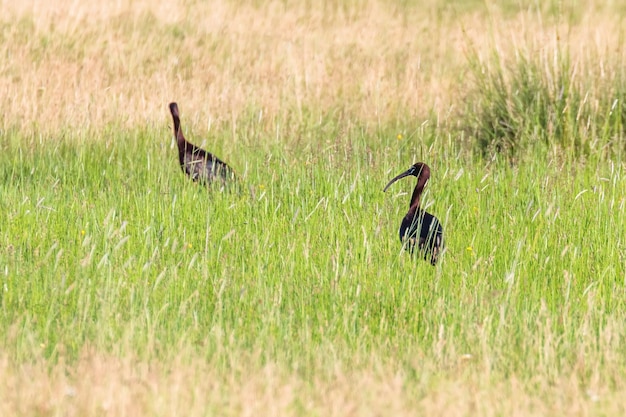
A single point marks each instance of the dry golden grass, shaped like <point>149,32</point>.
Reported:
<point>107,385</point>
<point>88,64</point>
<point>443,382</point>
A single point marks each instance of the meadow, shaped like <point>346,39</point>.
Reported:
<point>126,289</point>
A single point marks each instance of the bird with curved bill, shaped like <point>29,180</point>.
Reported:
<point>198,164</point>
<point>420,228</point>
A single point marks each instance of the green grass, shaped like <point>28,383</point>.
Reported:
<point>542,99</point>
<point>125,289</point>
<point>106,244</point>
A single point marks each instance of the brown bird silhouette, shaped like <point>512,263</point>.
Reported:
<point>430,241</point>
<point>198,164</point>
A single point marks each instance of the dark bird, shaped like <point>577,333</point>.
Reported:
<point>416,221</point>
<point>197,163</point>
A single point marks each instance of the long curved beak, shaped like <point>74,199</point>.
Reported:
<point>404,174</point>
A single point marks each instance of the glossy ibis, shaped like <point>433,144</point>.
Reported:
<point>416,221</point>
<point>197,163</point>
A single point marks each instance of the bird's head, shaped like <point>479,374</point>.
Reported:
<point>174,109</point>
<point>419,170</point>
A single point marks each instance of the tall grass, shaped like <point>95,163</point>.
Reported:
<point>109,247</point>
<point>546,100</point>
<point>127,289</point>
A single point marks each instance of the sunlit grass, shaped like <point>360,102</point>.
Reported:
<point>128,290</point>
<point>112,248</point>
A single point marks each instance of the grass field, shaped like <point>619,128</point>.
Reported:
<point>128,290</point>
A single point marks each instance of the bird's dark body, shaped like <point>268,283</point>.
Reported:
<point>422,229</point>
<point>198,164</point>
<point>419,227</point>
<point>201,165</point>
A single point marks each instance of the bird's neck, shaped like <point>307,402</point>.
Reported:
<point>417,195</point>
<point>180,138</point>
<point>417,191</point>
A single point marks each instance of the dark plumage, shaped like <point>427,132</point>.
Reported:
<point>430,241</point>
<point>197,163</point>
